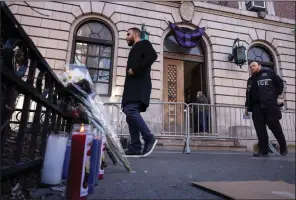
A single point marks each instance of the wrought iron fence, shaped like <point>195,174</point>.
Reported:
<point>32,99</point>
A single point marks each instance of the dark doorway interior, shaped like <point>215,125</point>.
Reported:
<point>194,80</point>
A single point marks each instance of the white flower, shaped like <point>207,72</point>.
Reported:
<point>74,75</point>
<point>63,78</point>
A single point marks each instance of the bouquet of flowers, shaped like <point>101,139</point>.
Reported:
<point>77,80</point>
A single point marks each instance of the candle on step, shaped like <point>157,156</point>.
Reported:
<point>67,158</point>
<point>54,158</point>
<point>77,182</point>
<point>102,162</point>
<point>93,162</point>
<point>98,165</point>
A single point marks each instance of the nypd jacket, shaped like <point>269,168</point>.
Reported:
<point>270,86</point>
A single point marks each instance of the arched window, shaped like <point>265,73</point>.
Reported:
<point>260,54</point>
<point>93,47</point>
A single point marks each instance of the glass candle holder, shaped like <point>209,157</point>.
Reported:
<point>81,128</point>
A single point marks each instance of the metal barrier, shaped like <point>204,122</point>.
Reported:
<point>288,125</point>
<point>219,121</point>
<point>181,120</point>
<point>227,122</point>
<point>165,119</point>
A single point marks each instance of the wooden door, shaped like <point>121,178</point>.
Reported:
<point>173,91</point>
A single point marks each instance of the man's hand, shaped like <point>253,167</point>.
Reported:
<point>130,72</point>
<point>281,100</point>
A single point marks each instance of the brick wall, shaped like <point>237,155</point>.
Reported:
<point>285,9</point>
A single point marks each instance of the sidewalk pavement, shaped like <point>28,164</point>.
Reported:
<point>168,175</point>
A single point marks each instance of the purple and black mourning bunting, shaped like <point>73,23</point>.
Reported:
<point>185,38</point>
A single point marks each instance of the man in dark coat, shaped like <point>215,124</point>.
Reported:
<point>137,90</point>
<point>263,89</point>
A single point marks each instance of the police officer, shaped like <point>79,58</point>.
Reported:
<point>263,89</point>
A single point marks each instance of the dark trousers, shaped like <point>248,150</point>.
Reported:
<point>136,125</point>
<point>201,122</point>
<point>271,117</point>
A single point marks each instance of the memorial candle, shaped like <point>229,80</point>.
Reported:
<point>54,158</point>
<point>102,157</point>
<point>77,182</point>
<point>67,158</point>
<point>98,165</point>
<point>93,163</point>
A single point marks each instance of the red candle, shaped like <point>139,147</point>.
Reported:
<point>102,166</point>
<point>77,182</point>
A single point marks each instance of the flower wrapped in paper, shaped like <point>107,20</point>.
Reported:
<point>77,80</point>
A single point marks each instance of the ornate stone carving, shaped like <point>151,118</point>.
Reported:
<point>187,10</point>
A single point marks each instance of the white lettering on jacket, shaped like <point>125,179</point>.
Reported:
<point>263,82</point>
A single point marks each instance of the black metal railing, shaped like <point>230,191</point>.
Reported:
<point>33,99</point>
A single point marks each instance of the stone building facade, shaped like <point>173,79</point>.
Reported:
<point>56,29</point>
<point>51,25</point>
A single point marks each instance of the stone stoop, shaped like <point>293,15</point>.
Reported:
<point>170,143</point>
<point>198,144</point>
<point>291,146</point>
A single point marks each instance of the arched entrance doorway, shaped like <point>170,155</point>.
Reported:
<point>184,75</point>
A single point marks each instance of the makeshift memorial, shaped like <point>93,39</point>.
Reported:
<point>90,109</point>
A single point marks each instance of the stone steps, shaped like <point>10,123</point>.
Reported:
<point>239,148</point>
<point>195,141</point>
<point>291,146</point>
<point>179,147</point>
<point>200,145</point>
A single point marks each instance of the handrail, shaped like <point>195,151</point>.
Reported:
<point>22,34</point>
<point>23,148</point>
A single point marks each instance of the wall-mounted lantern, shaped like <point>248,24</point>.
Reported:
<point>238,53</point>
<point>144,33</point>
